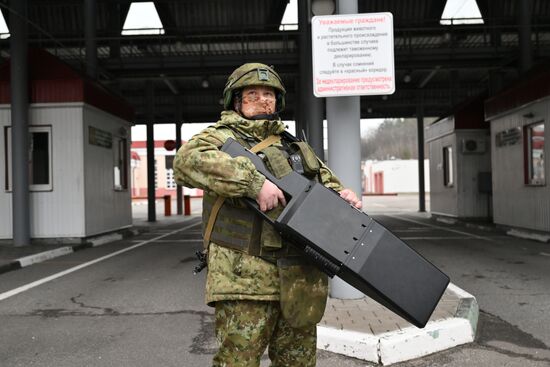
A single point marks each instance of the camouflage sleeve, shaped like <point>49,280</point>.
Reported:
<point>329,179</point>
<point>200,164</point>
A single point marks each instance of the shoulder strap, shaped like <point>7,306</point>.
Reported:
<point>270,140</point>
<point>212,220</point>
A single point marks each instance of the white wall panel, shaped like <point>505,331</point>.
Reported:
<point>515,203</point>
<point>400,175</point>
<point>59,212</point>
<point>5,197</point>
<point>443,199</point>
<point>106,209</point>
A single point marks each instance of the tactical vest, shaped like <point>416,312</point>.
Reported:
<point>240,228</point>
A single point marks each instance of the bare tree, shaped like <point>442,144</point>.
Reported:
<point>394,139</point>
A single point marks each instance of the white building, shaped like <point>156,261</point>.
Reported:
<point>393,176</point>
<point>518,115</point>
<point>79,153</point>
<point>165,183</point>
<point>460,163</point>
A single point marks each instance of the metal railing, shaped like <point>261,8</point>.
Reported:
<point>464,36</point>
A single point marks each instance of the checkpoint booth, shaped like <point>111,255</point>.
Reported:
<point>460,163</point>
<point>518,115</point>
<point>79,153</point>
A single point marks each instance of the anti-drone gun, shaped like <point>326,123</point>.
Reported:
<point>343,241</point>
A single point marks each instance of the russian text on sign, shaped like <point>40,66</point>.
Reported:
<point>353,55</point>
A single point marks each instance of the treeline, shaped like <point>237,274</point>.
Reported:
<point>393,139</point>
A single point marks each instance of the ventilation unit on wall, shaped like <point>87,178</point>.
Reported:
<point>473,145</point>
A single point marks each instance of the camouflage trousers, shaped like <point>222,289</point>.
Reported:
<point>245,328</point>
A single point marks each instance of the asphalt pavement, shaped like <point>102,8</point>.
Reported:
<point>135,302</point>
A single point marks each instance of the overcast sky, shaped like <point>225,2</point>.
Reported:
<point>168,131</point>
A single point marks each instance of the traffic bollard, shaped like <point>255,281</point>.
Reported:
<point>167,205</point>
<point>187,205</point>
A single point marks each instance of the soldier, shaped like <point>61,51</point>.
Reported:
<point>263,291</point>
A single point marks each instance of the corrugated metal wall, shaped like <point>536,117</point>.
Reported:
<point>515,203</point>
<point>106,209</point>
<point>60,212</point>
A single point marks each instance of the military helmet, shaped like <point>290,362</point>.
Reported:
<point>253,74</point>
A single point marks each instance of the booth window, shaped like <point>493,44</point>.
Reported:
<point>169,163</point>
<point>534,157</point>
<point>448,180</point>
<point>121,164</point>
<point>156,176</point>
<point>40,158</point>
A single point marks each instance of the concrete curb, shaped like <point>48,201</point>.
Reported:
<point>544,238</point>
<point>98,241</point>
<point>349,343</point>
<point>90,242</point>
<point>43,256</point>
<point>61,251</point>
<point>486,227</point>
<point>408,343</point>
<point>513,232</point>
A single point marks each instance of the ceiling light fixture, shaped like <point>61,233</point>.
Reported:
<point>323,7</point>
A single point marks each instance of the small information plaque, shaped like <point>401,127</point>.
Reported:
<point>353,55</point>
<point>508,137</point>
<point>99,137</point>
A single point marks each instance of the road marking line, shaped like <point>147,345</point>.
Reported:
<point>410,230</point>
<point>435,238</point>
<point>36,283</point>
<point>544,254</point>
<point>185,240</point>
<point>442,228</point>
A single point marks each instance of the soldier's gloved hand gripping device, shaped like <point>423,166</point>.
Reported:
<point>342,240</point>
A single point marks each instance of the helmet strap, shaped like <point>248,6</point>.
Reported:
<point>237,101</point>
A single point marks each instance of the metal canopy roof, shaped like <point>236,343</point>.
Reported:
<point>207,39</point>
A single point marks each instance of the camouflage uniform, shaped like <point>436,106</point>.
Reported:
<point>246,289</point>
<point>247,327</point>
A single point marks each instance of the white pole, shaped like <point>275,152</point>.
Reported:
<point>344,150</point>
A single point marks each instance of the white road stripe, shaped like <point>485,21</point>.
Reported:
<point>435,238</point>
<point>177,241</point>
<point>470,235</point>
<point>36,283</point>
<point>410,230</point>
